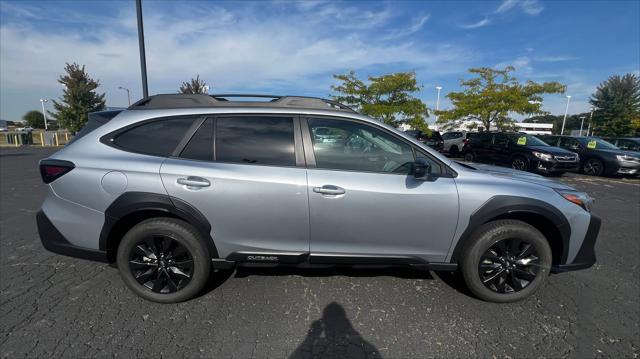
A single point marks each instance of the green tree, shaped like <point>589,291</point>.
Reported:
<point>34,119</point>
<point>195,86</point>
<point>79,97</point>
<point>387,98</point>
<point>493,95</point>
<point>617,103</point>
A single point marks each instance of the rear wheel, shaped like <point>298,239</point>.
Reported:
<point>469,157</point>
<point>506,261</point>
<point>593,167</point>
<point>164,260</point>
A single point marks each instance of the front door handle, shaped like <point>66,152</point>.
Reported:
<point>329,189</point>
<point>194,181</point>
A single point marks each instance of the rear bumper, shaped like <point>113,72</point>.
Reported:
<point>55,242</point>
<point>586,256</point>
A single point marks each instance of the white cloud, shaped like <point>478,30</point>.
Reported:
<point>529,7</point>
<point>484,22</point>
<point>416,25</point>
<point>231,50</point>
<point>555,58</point>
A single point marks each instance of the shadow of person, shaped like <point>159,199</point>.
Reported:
<point>333,336</point>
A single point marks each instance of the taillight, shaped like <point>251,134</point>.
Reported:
<point>50,170</point>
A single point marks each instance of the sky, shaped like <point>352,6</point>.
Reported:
<point>294,47</point>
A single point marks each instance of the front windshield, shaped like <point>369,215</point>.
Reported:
<point>523,139</point>
<point>593,143</point>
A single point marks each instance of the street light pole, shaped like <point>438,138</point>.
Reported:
<point>581,123</point>
<point>590,119</point>
<point>438,101</point>
<point>128,96</point>
<point>44,113</point>
<point>566,110</point>
<point>143,59</point>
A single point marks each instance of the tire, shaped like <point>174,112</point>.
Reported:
<point>181,271</point>
<point>593,167</point>
<point>469,157</point>
<point>519,163</point>
<point>515,279</point>
<point>454,151</point>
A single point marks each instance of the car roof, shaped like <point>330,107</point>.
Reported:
<point>182,101</point>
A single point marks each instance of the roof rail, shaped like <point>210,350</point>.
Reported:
<point>168,101</point>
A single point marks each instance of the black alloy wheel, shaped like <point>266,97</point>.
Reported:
<point>468,157</point>
<point>161,264</point>
<point>519,163</point>
<point>509,266</point>
<point>593,167</point>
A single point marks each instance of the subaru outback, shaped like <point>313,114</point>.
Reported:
<point>177,185</point>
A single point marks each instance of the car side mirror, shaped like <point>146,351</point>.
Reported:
<point>421,169</point>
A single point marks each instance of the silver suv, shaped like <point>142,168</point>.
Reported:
<point>176,185</point>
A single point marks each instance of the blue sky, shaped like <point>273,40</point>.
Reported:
<point>293,47</point>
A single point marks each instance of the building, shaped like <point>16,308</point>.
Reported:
<point>475,125</point>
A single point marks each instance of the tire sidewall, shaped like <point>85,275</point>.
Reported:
<point>524,160</point>
<point>487,236</point>
<point>182,233</point>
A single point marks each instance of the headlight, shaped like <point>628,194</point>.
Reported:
<point>625,158</point>
<point>543,156</point>
<point>580,198</point>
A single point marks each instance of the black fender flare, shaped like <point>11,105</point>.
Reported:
<point>131,202</point>
<point>498,207</point>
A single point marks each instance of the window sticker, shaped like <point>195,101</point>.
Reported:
<point>592,144</point>
<point>522,141</point>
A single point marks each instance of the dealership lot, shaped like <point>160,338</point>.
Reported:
<point>54,305</point>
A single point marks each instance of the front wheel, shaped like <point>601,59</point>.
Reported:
<point>506,261</point>
<point>519,163</point>
<point>593,167</point>
<point>164,260</point>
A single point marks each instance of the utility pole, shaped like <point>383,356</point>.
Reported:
<point>44,113</point>
<point>143,59</point>
<point>590,119</point>
<point>566,110</point>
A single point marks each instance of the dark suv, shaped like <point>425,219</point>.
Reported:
<point>520,151</point>
<point>433,139</point>
<point>625,143</point>
<point>597,156</point>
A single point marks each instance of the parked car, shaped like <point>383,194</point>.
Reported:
<point>432,139</point>
<point>625,143</point>
<point>177,184</point>
<point>520,151</point>
<point>597,156</point>
<point>454,142</point>
<point>24,129</point>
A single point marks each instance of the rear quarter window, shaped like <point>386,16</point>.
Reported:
<point>157,138</point>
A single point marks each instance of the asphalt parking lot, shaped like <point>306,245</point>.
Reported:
<point>55,306</point>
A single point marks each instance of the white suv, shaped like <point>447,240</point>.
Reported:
<point>454,141</point>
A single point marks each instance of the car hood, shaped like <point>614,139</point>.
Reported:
<point>517,175</point>
<point>552,150</point>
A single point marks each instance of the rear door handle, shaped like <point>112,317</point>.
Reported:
<point>329,189</point>
<point>194,181</point>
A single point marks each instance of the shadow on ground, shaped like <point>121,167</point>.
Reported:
<point>333,336</point>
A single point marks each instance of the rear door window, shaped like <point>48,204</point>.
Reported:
<point>260,140</point>
<point>158,138</point>
<point>200,146</point>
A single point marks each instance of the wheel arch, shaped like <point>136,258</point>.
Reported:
<point>132,208</point>
<point>541,215</point>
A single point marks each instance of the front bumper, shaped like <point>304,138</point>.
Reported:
<point>555,166</point>
<point>55,242</point>
<point>586,256</point>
